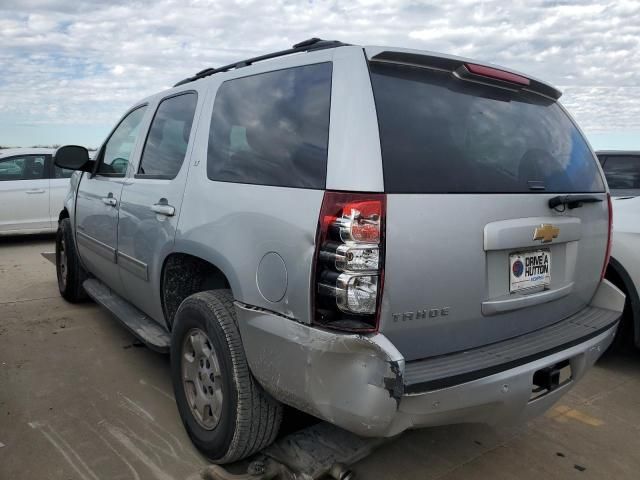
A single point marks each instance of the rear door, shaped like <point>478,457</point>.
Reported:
<point>24,194</point>
<point>151,200</point>
<point>474,254</point>
<point>98,200</point>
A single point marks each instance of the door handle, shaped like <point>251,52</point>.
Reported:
<point>35,190</point>
<point>163,208</point>
<point>109,200</point>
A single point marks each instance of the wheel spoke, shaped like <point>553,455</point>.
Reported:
<point>201,404</point>
<point>197,341</point>
<point>216,403</point>
<point>215,366</point>
<point>190,367</point>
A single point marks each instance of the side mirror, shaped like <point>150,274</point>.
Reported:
<point>73,157</point>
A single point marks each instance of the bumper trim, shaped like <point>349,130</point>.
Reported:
<point>453,369</point>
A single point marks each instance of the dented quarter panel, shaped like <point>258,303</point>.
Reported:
<point>353,381</point>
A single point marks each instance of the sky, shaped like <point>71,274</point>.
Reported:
<point>70,68</point>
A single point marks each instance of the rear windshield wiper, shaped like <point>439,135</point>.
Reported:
<point>572,201</point>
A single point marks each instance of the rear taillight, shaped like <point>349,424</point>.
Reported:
<point>607,254</point>
<point>349,261</point>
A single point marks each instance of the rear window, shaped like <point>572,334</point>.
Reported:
<point>272,128</point>
<point>622,172</point>
<point>440,134</point>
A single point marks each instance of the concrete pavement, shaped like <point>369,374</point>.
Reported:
<point>80,398</point>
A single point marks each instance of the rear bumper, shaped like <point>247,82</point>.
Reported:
<point>499,398</point>
<point>361,382</point>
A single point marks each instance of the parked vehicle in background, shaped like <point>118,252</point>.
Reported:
<point>383,238</point>
<point>622,170</point>
<point>32,191</point>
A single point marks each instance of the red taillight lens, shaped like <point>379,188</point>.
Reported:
<point>497,74</point>
<point>349,261</point>
<point>360,221</point>
<point>607,254</point>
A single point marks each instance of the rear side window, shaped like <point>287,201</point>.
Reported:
<point>622,172</point>
<point>272,128</point>
<point>168,137</point>
<point>440,134</point>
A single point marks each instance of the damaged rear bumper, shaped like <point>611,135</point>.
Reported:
<point>361,382</point>
<point>353,381</point>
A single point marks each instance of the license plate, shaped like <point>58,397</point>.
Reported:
<point>529,270</point>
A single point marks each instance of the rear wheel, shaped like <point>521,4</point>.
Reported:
<point>68,269</point>
<point>224,410</point>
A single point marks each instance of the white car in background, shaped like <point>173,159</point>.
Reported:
<point>32,191</point>
<point>622,169</point>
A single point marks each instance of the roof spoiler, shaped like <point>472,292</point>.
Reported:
<point>468,70</point>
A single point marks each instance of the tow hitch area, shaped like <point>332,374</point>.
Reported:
<point>312,453</point>
<point>550,378</point>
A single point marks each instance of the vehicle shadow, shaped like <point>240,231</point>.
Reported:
<point>26,240</point>
<point>622,359</point>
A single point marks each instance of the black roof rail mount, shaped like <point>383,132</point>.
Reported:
<point>304,46</point>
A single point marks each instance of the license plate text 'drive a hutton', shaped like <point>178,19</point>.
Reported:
<point>529,270</point>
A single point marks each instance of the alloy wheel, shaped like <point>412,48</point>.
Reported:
<point>201,378</point>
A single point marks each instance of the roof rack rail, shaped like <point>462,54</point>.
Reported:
<point>305,46</point>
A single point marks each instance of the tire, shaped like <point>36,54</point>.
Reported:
<point>68,269</point>
<point>625,336</point>
<point>624,339</point>
<point>240,418</point>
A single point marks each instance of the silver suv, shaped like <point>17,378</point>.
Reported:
<point>380,237</point>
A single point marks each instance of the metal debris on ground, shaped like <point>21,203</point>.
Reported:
<point>312,453</point>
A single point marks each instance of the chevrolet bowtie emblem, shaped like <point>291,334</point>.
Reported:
<point>546,232</point>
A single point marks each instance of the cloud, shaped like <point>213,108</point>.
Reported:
<point>86,62</point>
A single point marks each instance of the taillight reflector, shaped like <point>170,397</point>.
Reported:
<point>607,254</point>
<point>490,72</point>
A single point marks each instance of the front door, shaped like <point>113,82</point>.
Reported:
<point>151,201</point>
<point>98,200</point>
<point>24,194</point>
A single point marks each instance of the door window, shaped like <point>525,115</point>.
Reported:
<point>168,137</point>
<point>118,149</point>
<point>622,172</point>
<point>27,167</point>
